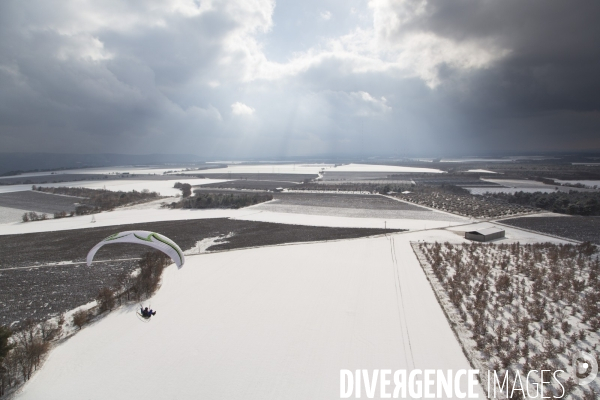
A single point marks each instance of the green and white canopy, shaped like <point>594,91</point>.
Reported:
<point>152,239</point>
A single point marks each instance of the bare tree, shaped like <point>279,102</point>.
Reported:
<point>80,318</point>
<point>106,299</point>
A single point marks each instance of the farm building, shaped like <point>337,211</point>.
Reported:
<point>485,235</point>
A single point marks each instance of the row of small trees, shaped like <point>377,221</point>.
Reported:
<point>526,306</point>
<point>21,352</point>
<point>33,216</point>
<point>137,286</point>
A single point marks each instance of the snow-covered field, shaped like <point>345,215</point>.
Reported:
<point>381,168</point>
<point>293,214</point>
<point>165,188</point>
<point>310,168</point>
<point>141,214</point>
<point>345,222</point>
<point>266,169</point>
<point>114,218</point>
<point>268,323</point>
<point>456,160</point>
<point>483,171</point>
<point>8,214</point>
<point>425,214</point>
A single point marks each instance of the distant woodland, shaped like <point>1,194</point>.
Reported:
<point>573,202</point>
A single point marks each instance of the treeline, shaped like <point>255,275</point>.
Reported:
<point>97,200</point>
<point>573,202</point>
<point>22,351</point>
<point>186,188</point>
<point>33,216</point>
<point>221,200</point>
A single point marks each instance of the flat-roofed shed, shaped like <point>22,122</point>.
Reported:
<point>485,235</point>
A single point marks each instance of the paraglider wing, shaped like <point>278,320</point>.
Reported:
<point>152,239</point>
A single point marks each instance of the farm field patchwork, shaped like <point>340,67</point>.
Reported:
<point>161,186</point>
<point>326,306</point>
<point>33,282</point>
<point>351,206</point>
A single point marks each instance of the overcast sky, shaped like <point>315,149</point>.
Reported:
<point>258,78</point>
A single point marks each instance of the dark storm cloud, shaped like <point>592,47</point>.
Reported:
<point>555,54</point>
<point>543,94</point>
<point>348,78</point>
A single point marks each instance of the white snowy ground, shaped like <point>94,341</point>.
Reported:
<point>483,171</point>
<point>381,168</point>
<point>266,168</point>
<point>113,218</point>
<point>313,168</point>
<point>269,323</point>
<point>8,214</point>
<point>165,188</point>
<point>284,168</point>
<point>349,222</point>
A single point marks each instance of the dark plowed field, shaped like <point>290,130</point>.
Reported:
<point>575,227</point>
<point>15,180</point>
<point>40,293</point>
<point>38,201</point>
<point>30,292</point>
